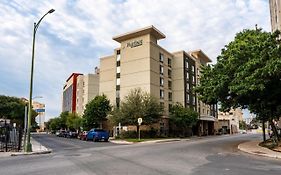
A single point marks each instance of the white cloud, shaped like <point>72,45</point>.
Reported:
<point>79,32</point>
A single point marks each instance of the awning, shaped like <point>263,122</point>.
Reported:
<point>207,118</point>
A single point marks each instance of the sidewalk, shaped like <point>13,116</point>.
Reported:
<point>252,147</point>
<point>37,148</point>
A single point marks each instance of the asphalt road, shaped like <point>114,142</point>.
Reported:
<point>60,144</point>
<point>207,156</point>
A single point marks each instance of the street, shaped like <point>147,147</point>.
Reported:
<point>59,144</point>
<point>213,155</point>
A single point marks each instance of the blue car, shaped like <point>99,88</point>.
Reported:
<point>97,135</point>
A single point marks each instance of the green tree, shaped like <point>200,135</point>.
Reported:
<point>13,108</point>
<point>242,125</point>
<point>63,117</point>
<point>55,124</point>
<point>137,104</point>
<point>182,119</point>
<point>73,121</point>
<point>247,75</point>
<point>96,112</point>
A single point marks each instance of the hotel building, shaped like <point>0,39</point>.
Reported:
<point>275,14</point>
<point>229,121</point>
<point>140,62</point>
<point>78,90</point>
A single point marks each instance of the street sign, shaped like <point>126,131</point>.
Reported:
<point>40,110</point>
<point>139,121</point>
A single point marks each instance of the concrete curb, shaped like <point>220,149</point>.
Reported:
<point>31,153</point>
<point>147,142</point>
<point>37,148</point>
<point>121,142</point>
<point>252,147</point>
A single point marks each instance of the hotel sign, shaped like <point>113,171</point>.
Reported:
<point>135,43</point>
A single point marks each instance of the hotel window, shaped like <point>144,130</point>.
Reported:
<point>118,70</point>
<point>187,86</point>
<point>118,81</point>
<point>118,94</point>
<point>118,63</point>
<point>187,98</point>
<point>170,96</point>
<point>187,75</point>
<point>161,57</point>
<point>193,100</point>
<point>161,81</point>
<point>186,64</point>
<point>161,69</point>
<point>193,79</point>
<point>169,62</point>
<point>170,84</point>
<point>170,107</point>
<point>161,94</point>
<point>169,73</point>
<point>118,75</point>
<point>193,69</point>
<point>118,57</point>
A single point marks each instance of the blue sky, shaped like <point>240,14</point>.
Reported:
<point>78,33</point>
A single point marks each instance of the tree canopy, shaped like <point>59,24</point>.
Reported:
<point>13,108</point>
<point>137,104</point>
<point>96,112</point>
<point>182,118</point>
<point>65,120</point>
<point>247,74</point>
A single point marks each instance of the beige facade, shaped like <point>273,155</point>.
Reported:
<point>40,118</point>
<point>136,64</point>
<point>140,62</point>
<point>229,121</point>
<point>275,14</point>
<point>87,89</point>
<point>78,90</point>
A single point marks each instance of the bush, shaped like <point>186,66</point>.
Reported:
<point>152,133</point>
<point>128,134</point>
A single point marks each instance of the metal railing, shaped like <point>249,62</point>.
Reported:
<point>10,138</point>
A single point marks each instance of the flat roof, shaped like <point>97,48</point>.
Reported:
<point>136,33</point>
<point>73,75</point>
<point>201,55</point>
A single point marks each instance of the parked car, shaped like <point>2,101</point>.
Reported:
<point>71,134</point>
<point>83,135</point>
<point>97,135</point>
<point>61,133</point>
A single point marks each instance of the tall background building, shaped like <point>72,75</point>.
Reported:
<point>78,90</point>
<point>275,14</point>
<point>140,62</point>
<point>40,118</point>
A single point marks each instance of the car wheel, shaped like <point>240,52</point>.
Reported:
<point>106,140</point>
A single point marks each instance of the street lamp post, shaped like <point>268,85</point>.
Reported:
<point>28,146</point>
